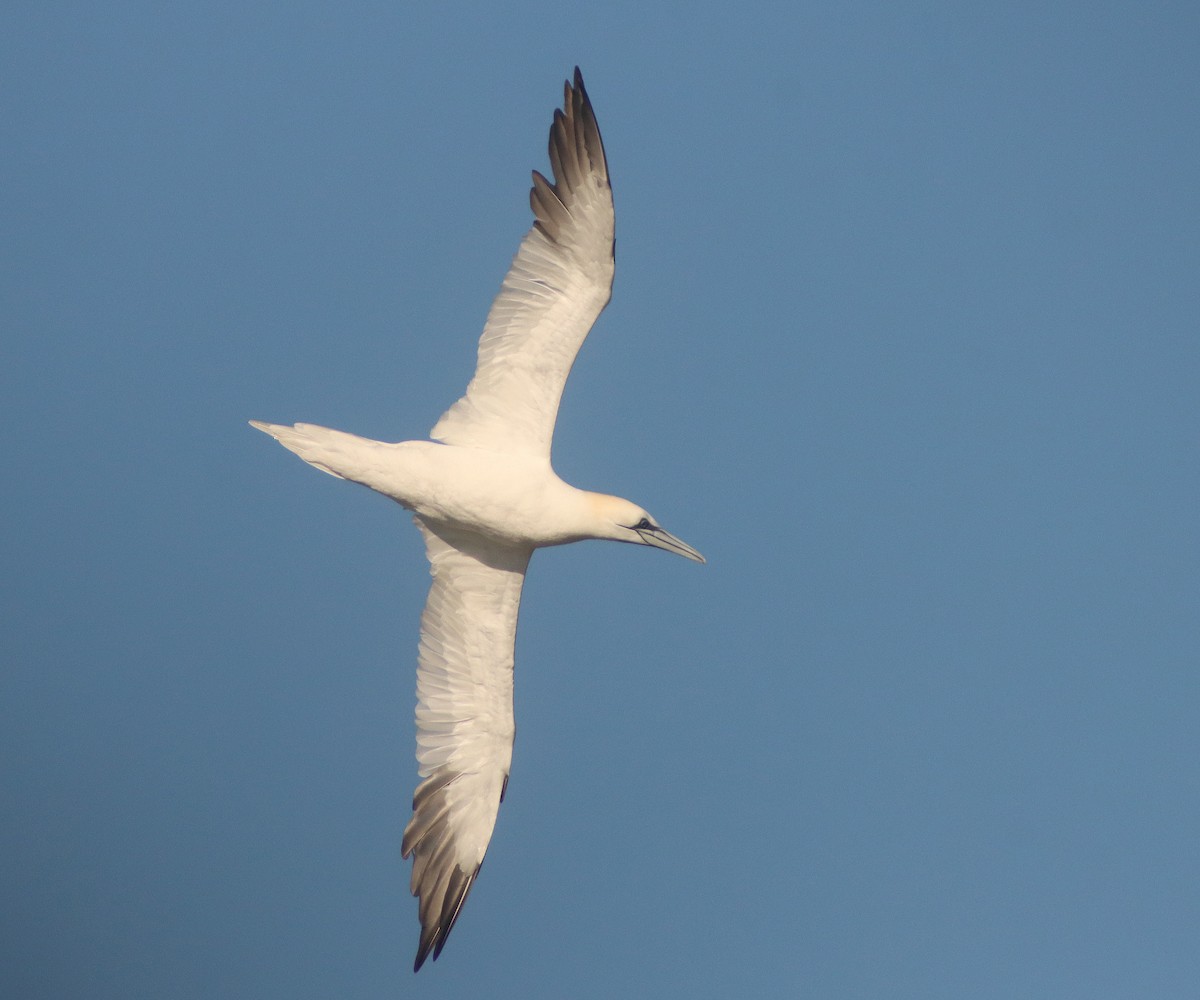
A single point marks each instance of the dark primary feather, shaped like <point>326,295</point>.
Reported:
<point>576,157</point>
<point>440,884</point>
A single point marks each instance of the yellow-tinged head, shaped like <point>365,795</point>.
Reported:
<point>621,521</point>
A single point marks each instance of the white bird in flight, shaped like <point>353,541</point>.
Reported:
<point>484,496</point>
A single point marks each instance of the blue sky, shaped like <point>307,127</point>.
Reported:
<point>904,338</point>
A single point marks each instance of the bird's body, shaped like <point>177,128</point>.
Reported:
<point>484,495</point>
<point>511,498</point>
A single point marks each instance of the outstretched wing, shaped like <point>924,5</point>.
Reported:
<point>558,284</point>
<point>464,719</point>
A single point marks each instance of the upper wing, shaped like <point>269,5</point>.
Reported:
<point>558,284</point>
<point>464,719</point>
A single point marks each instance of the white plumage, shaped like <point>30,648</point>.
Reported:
<point>484,495</point>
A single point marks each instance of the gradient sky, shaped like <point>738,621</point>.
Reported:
<point>905,338</point>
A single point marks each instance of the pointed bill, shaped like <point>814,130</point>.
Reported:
<point>661,539</point>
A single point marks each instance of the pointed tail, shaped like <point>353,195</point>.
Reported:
<point>336,452</point>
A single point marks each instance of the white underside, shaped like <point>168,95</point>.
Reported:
<point>512,498</point>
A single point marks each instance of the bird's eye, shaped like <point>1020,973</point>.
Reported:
<point>643,525</point>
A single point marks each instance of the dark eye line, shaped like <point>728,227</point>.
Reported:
<point>643,525</point>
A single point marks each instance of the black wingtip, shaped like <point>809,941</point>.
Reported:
<point>431,941</point>
<point>581,90</point>
<point>436,930</point>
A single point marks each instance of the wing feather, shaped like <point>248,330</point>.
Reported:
<point>559,282</point>
<point>464,719</point>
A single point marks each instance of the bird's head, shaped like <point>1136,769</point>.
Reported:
<point>623,521</point>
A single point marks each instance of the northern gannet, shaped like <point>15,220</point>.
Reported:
<point>484,496</point>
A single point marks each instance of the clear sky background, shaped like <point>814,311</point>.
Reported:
<point>905,338</point>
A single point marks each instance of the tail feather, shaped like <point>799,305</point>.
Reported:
<point>336,452</point>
